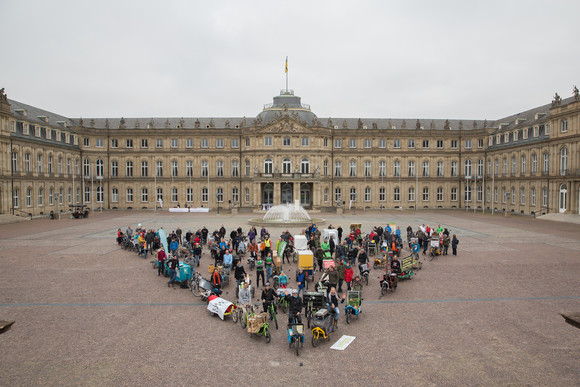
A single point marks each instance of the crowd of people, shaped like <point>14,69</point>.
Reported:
<point>227,250</point>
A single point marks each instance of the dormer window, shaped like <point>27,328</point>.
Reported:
<point>506,138</point>
<point>525,133</point>
<point>25,128</point>
<point>515,135</point>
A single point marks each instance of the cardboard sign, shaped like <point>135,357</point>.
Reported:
<point>343,342</point>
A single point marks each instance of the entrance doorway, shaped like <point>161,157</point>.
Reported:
<point>563,198</point>
<point>287,193</point>
<point>268,195</point>
<point>305,195</point>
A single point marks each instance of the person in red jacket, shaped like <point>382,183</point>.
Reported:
<point>348,274</point>
<point>161,256</point>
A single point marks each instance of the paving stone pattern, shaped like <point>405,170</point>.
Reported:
<point>89,313</point>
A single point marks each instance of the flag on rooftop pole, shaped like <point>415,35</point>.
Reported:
<point>286,71</point>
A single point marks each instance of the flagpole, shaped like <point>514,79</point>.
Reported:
<point>286,70</point>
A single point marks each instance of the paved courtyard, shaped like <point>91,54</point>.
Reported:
<point>89,313</point>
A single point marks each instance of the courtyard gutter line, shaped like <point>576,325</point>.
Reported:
<point>138,304</point>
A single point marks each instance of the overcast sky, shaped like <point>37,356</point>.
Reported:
<point>370,59</point>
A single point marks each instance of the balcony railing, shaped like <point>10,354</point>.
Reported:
<point>285,175</point>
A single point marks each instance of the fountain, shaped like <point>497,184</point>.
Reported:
<point>286,214</point>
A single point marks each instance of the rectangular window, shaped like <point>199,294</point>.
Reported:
<point>382,194</point>
<point>411,144</point>
<point>235,168</point>
<point>425,169</point>
<point>397,169</point>
<point>268,141</point>
<point>453,194</point>
<point>440,194</point>
<point>338,195</point>
<point>536,131</point>
<point>235,195</point>
<point>305,141</point>
<point>129,143</point>
<point>495,194</point>
<point>189,143</point>
<point>174,195</point>
<point>467,144</point>
<point>480,143</point>
<point>547,129</point>
<point>189,194</point>
<point>564,126</point>
<point>99,143</point>
<point>325,168</point>
<point>114,143</point>
<point>159,143</point>
<point>382,169</point>
<point>411,194</point>
<point>220,194</point>
<point>397,194</point>
<point>524,133</point>
<point>159,168</point>
<point>352,170</point>
<point>86,141</point>
<point>220,169</point>
<point>174,143</point>
<point>189,168</point>
<point>337,143</point>
<point>129,194</point>
<point>411,169</point>
<point>544,197</point>
<point>425,144</point>
<point>129,169</point>
<point>247,194</point>
<point>440,169</point>
<point>439,144</point>
<point>515,135</point>
<point>367,169</point>
<point>368,143</point>
<point>383,144</point>
<point>454,169</point>
<point>367,194</point>
<point>506,138</point>
<point>204,168</point>
<point>114,168</point>
<point>235,143</point>
<point>397,144</point>
<point>352,143</point>
<point>247,141</point>
<point>204,143</point>
<point>144,168</point>
<point>453,144</point>
<point>144,143</point>
<point>247,168</point>
<point>425,194</point>
<point>533,196</point>
<point>174,168</point>
<point>337,169</point>
<point>27,162</point>
<point>325,142</point>
<point>144,195</point>
<point>219,143</point>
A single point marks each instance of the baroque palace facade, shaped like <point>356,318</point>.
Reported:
<point>526,163</point>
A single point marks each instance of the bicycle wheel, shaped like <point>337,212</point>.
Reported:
<point>235,316</point>
<point>367,279</point>
<point>348,316</point>
<point>243,320</point>
<point>275,318</point>
<point>315,339</point>
<point>308,318</point>
<point>283,307</point>
<point>383,290</point>
<point>297,345</point>
<point>267,336</point>
<point>195,289</point>
<point>375,265</point>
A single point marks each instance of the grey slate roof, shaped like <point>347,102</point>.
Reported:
<point>33,113</point>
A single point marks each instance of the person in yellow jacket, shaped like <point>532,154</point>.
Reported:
<point>267,245</point>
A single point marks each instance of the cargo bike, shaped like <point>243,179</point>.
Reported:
<point>296,337</point>
<point>353,308</point>
<point>324,324</point>
<point>313,302</point>
<point>306,263</point>
<point>221,307</point>
<point>257,325</point>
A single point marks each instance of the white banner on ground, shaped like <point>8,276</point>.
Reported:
<point>343,342</point>
<point>218,306</point>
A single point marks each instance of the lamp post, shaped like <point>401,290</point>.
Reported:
<point>508,195</point>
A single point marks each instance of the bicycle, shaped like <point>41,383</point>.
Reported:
<point>272,312</point>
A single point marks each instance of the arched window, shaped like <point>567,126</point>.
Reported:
<point>100,168</point>
<point>367,194</point>
<point>305,166</point>
<point>524,161</point>
<point>268,166</point>
<point>286,166</point>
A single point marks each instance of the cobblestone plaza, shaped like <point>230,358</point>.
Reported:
<point>90,313</point>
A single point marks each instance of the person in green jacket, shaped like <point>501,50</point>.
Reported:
<point>325,246</point>
<point>260,271</point>
<point>340,268</point>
